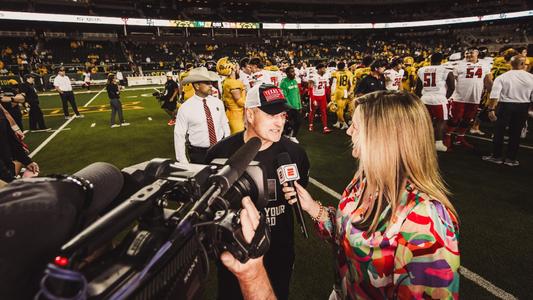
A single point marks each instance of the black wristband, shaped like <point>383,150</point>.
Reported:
<point>12,99</point>
<point>490,109</point>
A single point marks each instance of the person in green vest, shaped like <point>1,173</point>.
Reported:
<point>290,89</point>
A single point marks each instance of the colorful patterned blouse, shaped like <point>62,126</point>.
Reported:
<point>413,256</point>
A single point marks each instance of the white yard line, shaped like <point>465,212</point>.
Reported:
<point>51,137</point>
<point>490,140</point>
<point>487,285</point>
<point>94,97</point>
<point>477,279</point>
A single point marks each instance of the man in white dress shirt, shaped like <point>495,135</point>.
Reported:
<point>201,121</point>
<point>63,86</point>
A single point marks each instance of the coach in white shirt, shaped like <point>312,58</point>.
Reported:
<point>514,92</point>
<point>64,88</point>
<point>201,121</point>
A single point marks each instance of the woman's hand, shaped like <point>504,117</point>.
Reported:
<point>306,201</point>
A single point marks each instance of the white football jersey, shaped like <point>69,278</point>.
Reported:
<point>321,82</point>
<point>261,77</point>
<point>487,60</point>
<point>433,84</point>
<point>393,79</point>
<point>470,78</point>
<point>276,77</point>
<point>245,78</point>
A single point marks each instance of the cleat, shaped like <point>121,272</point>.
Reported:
<point>326,130</point>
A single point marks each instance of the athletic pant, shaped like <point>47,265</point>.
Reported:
<point>68,97</point>
<point>513,115</point>
<point>36,117</point>
<point>295,120</point>
<point>116,107</point>
<point>318,102</point>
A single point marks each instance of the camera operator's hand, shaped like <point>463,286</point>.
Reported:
<point>251,275</point>
<point>34,167</point>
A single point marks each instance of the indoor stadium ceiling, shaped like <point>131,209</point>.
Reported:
<point>284,11</point>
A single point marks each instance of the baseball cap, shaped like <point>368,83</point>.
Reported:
<point>268,98</point>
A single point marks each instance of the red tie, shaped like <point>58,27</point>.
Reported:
<point>210,125</point>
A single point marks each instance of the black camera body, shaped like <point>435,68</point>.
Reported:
<point>157,243</point>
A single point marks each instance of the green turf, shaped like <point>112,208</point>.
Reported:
<point>494,202</point>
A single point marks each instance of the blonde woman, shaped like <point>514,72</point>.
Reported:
<point>395,229</point>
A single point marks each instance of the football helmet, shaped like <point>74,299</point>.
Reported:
<point>224,66</point>
<point>408,60</point>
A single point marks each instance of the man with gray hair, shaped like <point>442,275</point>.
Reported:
<point>514,92</point>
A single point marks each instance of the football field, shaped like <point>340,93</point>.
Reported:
<point>495,202</point>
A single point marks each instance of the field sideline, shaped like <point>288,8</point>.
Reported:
<point>495,203</point>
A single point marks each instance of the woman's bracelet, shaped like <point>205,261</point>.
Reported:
<point>320,212</point>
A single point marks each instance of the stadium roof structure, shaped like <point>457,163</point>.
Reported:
<point>287,11</point>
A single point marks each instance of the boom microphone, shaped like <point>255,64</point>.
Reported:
<point>288,173</point>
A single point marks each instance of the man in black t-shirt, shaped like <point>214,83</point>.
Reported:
<point>373,82</point>
<point>265,115</point>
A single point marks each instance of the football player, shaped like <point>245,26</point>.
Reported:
<point>473,77</point>
<point>394,75</point>
<point>187,89</point>
<point>409,79</point>
<point>362,70</point>
<point>434,87</point>
<point>259,74</point>
<point>233,94</point>
<point>245,74</point>
<point>318,86</point>
<point>340,93</point>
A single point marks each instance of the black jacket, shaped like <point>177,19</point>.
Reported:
<point>112,91</point>
<point>10,149</point>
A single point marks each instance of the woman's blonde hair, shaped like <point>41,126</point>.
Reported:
<point>396,144</point>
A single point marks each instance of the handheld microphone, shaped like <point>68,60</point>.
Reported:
<point>288,173</point>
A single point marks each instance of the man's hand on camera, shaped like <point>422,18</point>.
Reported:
<point>252,276</point>
<point>249,221</point>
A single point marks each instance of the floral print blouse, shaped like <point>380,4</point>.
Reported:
<point>414,255</point>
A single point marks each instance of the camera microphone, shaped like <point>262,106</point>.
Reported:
<point>288,173</point>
